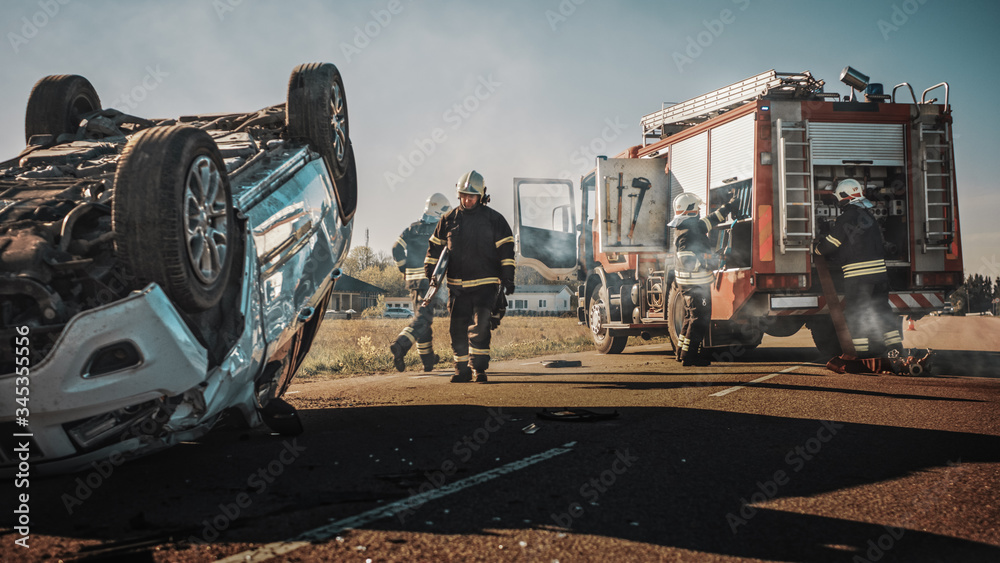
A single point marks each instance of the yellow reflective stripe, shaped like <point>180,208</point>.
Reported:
<point>408,334</point>
<point>400,262</point>
<point>832,240</point>
<point>685,253</point>
<point>453,281</point>
<point>479,351</point>
<point>425,347</point>
<point>462,359</point>
<point>415,277</point>
<point>430,260</point>
<point>696,279</point>
<point>504,241</point>
<point>868,272</point>
<point>435,240</point>
<point>479,282</point>
<point>414,270</point>
<point>401,242</point>
<point>868,264</point>
<point>507,262</point>
<point>719,216</point>
<point>707,222</point>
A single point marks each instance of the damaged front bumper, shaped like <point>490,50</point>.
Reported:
<point>124,379</point>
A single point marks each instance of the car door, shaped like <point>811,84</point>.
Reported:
<point>546,233</point>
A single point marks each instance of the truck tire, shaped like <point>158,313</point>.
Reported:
<point>56,103</point>
<point>172,215</point>
<point>675,316</point>
<point>824,336</point>
<point>597,318</point>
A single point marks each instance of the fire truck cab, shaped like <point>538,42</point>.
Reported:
<point>779,144</point>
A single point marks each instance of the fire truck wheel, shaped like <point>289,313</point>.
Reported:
<point>675,315</point>
<point>597,320</point>
<point>824,336</point>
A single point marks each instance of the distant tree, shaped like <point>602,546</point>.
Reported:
<point>362,257</point>
<point>388,278</point>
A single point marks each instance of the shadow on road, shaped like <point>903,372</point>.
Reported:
<point>700,480</point>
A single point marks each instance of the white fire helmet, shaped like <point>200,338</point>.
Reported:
<point>472,183</point>
<point>686,205</point>
<point>437,205</point>
<point>850,191</point>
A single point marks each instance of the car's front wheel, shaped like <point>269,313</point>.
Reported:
<point>56,104</point>
<point>172,215</point>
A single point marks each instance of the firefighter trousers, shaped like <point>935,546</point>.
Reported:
<point>697,315</point>
<point>470,326</point>
<point>419,332</point>
<point>873,326</point>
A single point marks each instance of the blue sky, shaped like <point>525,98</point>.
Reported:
<point>517,88</point>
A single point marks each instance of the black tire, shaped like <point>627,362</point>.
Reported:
<point>783,326</point>
<point>166,230</point>
<point>824,336</point>
<point>675,316</point>
<point>56,104</point>
<point>317,112</point>
<point>597,316</point>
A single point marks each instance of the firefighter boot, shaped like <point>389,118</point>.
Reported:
<point>481,376</point>
<point>463,374</point>
<point>696,356</point>
<point>429,361</point>
<point>398,356</point>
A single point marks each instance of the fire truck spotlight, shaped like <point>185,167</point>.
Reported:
<point>854,78</point>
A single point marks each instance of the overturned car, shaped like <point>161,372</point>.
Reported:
<point>156,274</point>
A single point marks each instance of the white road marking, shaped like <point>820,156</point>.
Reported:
<point>758,380</point>
<point>328,531</point>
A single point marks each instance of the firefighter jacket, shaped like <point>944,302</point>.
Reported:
<point>694,249</point>
<point>410,250</point>
<point>855,243</point>
<point>481,245</point>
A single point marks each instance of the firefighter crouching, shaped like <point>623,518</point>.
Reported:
<point>693,275</point>
<point>409,252</point>
<point>855,243</point>
<point>481,262</point>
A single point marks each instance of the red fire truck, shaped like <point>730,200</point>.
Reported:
<point>780,143</point>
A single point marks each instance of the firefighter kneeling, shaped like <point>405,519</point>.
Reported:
<point>856,243</point>
<point>693,275</point>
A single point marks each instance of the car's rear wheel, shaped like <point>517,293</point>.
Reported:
<point>56,103</point>
<point>317,111</point>
<point>172,215</point>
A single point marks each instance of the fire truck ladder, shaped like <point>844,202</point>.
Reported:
<point>795,186</point>
<point>937,165</point>
<point>676,117</point>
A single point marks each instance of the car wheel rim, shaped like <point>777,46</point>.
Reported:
<point>338,120</point>
<point>207,219</point>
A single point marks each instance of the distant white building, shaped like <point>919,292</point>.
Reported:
<point>401,302</point>
<point>539,300</point>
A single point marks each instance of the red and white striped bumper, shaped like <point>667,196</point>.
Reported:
<point>902,302</point>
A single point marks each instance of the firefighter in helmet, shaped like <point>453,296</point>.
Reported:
<point>693,274</point>
<point>480,269</point>
<point>409,252</point>
<point>855,243</point>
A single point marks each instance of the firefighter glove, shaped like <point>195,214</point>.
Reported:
<point>508,288</point>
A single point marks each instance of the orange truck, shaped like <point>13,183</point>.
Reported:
<point>779,143</point>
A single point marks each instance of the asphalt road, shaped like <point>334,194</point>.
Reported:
<point>767,457</point>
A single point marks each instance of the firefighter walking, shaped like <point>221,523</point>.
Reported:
<point>409,251</point>
<point>481,247</point>
<point>855,243</point>
<point>693,275</point>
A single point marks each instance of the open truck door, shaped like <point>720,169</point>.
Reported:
<point>546,233</point>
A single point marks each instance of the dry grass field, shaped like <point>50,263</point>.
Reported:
<point>361,346</point>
